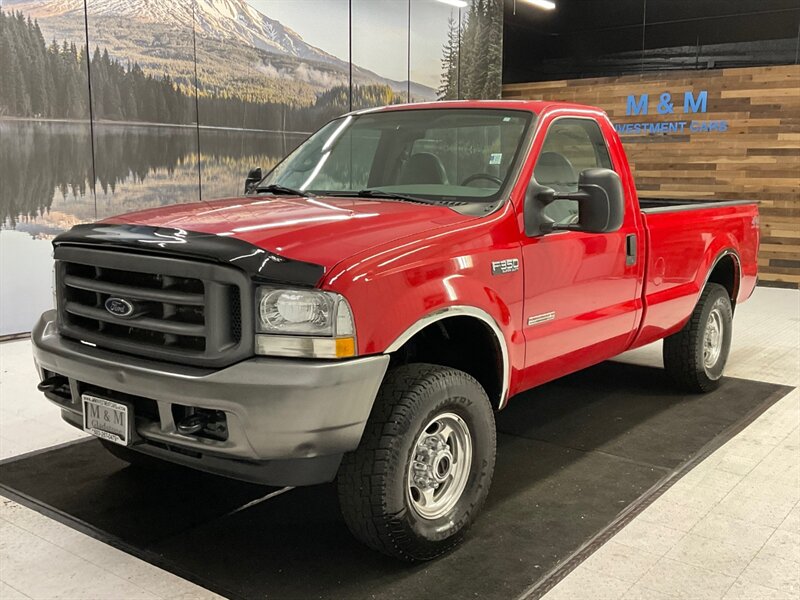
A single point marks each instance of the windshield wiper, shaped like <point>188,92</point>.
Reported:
<point>276,189</point>
<point>379,194</point>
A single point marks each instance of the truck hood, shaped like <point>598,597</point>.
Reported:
<point>319,230</point>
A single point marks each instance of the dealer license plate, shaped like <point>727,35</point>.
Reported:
<point>106,419</point>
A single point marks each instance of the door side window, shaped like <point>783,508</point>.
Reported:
<point>570,146</point>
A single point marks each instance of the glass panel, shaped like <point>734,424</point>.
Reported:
<point>380,52</point>
<point>265,85</point>
<point>716,34</point>
<point>143,101</point>
<point>481,50</point>
<point>433,56</point>
<point>45,151</point>
<point>578,39</point>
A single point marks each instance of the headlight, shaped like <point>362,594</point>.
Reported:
<point>309,323</point>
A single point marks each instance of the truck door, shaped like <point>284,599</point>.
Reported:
<point>581,295</point>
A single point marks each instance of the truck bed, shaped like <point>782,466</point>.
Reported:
<point>661,205</point>
<point>684,240</point>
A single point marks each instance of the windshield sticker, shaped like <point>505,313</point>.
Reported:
<point>495,158</point>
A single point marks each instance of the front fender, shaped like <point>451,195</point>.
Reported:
<point>396,291</point>
<point>463,311</point>
<point>389,311</point>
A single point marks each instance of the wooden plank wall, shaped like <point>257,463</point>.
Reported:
<point>758,157</point>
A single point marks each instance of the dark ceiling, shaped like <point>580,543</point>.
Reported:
<point>586,38</point>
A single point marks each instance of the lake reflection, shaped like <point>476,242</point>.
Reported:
<point>46,186</point>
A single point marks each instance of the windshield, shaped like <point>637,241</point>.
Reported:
<point>437,154</point>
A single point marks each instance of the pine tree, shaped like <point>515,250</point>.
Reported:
<point>493,53</point>
<point>448,90</point>
<point>471,61</point>
<point>35,69</point>
<point>98,84</point>
<point>8,96</point>
<point>80,67</point>
<point>17,80</point>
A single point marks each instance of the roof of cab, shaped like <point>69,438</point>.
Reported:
<point>534,106</point>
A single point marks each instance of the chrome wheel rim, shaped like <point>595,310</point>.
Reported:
<point>712,339</point>
<point>439,466</point>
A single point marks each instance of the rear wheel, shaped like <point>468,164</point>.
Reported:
<point>695,357</point>
<point>423,468</point>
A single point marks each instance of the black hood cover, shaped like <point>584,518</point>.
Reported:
<point>261,265</point>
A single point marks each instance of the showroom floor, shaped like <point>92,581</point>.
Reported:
<point>728,529</point>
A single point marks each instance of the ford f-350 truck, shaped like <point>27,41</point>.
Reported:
<point>361,312</point>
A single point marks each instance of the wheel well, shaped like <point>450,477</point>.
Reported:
<point>726,274</point>
<point>461,342</point>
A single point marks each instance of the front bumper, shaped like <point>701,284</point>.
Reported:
<point>288,421</point>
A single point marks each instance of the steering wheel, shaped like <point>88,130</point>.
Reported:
<point>477,176</point>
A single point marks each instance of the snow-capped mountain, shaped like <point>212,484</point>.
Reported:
<point>216,19</point>
<point>235,19</point>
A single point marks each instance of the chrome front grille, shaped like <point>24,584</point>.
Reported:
<point>180,310</point>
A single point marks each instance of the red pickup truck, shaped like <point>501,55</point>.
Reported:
<point>361,312</point>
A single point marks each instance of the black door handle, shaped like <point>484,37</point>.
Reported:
<point>630,249</point>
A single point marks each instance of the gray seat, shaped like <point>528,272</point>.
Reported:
<point>555,171</point>
<point>423,167</point>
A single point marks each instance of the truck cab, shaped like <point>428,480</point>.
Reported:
<point>366,307</point>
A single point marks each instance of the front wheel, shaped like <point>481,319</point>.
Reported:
<point>695,356</point>
<point>423,468</point>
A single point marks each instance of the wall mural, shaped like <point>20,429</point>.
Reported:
<point>187,95</point>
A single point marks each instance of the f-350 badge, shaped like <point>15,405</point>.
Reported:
<point>503,267</point>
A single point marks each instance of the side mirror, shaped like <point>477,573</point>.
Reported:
<point>253,177</point>
<point>601,204</point>
<point>537,198</point>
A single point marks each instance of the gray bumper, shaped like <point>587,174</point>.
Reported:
<point>276,408</point>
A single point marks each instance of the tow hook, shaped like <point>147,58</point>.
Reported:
<point>192,423</point>
<point>51,383</point>
<point>205,422</point>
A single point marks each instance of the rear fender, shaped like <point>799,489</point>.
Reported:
<point>732,286</point>
<point>710,261</point>
<point>668,308</point>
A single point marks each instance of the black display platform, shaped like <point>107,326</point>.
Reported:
<point>576,459</point>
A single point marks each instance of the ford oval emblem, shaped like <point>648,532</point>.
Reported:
<point>119,307</point>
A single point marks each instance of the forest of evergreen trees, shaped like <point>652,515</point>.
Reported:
<point>36,79</point>
<point>472,58</point>
<point>50,81</point>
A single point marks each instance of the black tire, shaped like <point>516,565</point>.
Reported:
<point>133,458</point>
<point>373,481</point>
<point>684,352</point>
